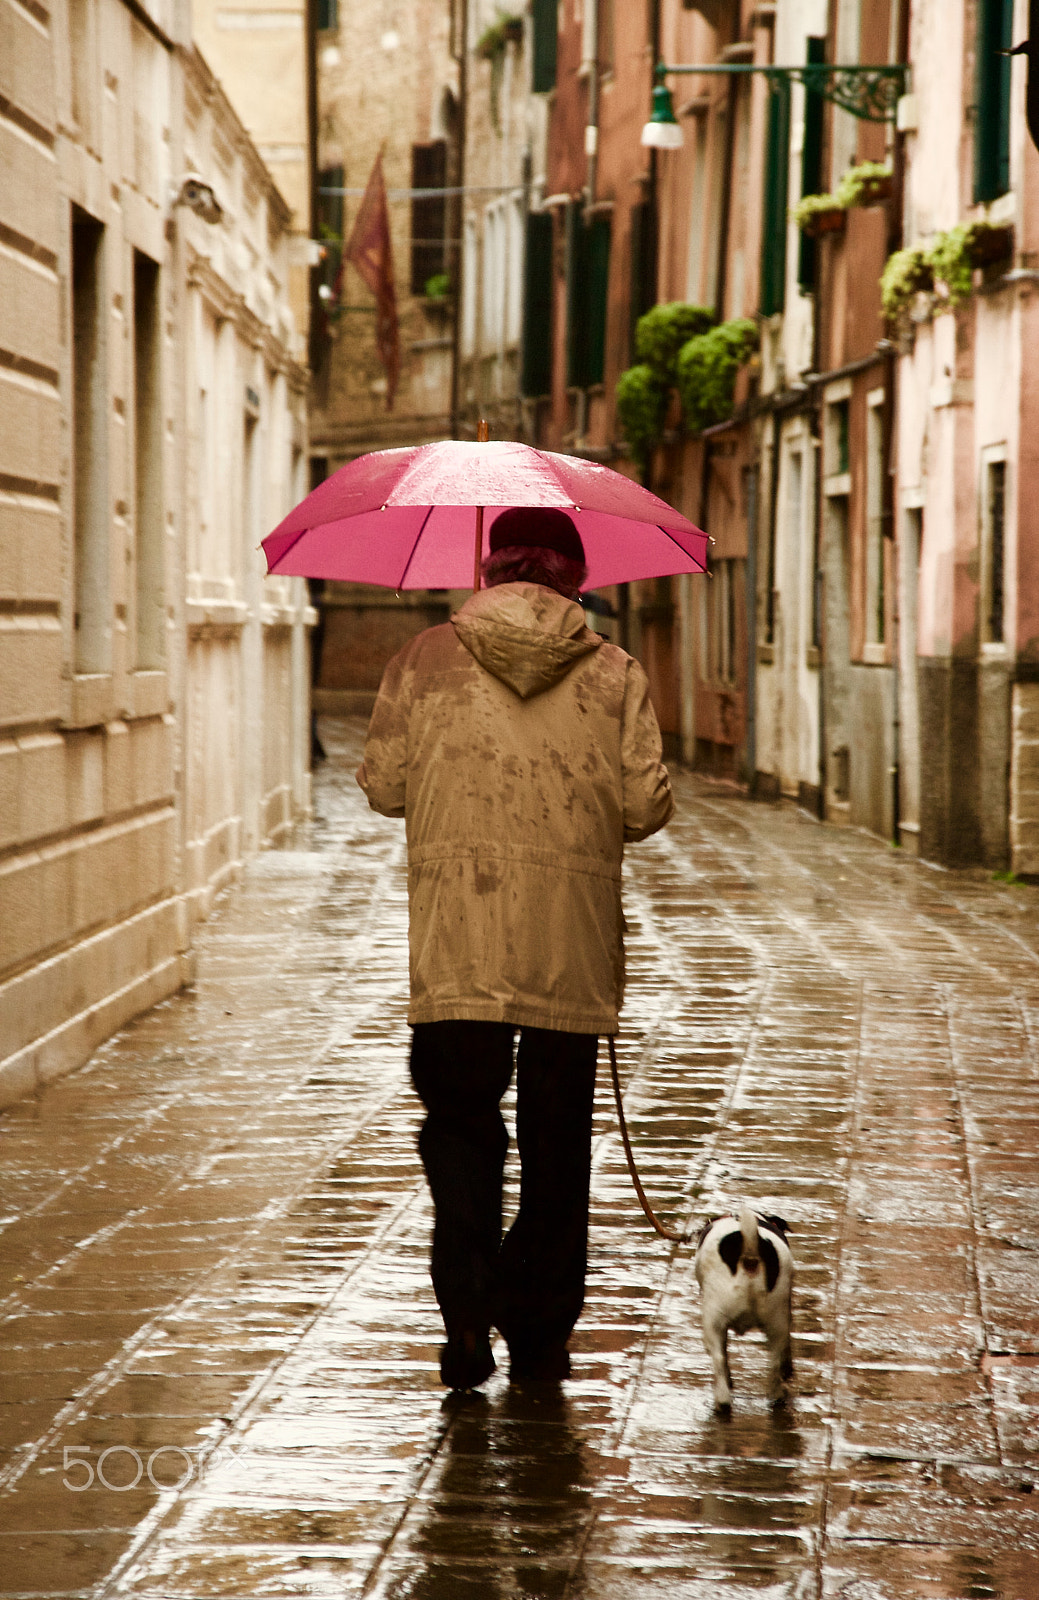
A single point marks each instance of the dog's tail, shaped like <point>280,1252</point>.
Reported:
<point>750,1260</point>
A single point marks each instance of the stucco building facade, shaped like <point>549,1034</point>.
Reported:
<point>104,704</point>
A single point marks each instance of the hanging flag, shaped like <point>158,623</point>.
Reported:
<point>371,252</point>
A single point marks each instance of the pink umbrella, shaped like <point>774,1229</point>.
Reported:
<point>410,518</point>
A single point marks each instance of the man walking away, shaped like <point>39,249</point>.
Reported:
<point>522,751</point>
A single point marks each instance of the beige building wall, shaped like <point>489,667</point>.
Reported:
<point>257,49</point>
<point>97,723</point>
<point>246,700</point>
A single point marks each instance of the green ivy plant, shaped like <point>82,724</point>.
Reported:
<point>947,265</point>
<point>641,408</point>
<point>661,333</point>
<point>490,46</point>
<point>707,367</point>
<point>863,185</point>
<point>438,287</point>
<point>905,274</point>
<point>680,348</point>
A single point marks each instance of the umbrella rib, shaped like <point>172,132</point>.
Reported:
<point>414,547</point>
<point>676,542</point>
<point>287,551</point>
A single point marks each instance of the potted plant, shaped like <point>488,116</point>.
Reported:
<point>906,274</point>
<point>437,293</point>
<point>868,184</point>
<point>816,214</point>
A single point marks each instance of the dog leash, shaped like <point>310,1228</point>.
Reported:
<point>652,1218</point>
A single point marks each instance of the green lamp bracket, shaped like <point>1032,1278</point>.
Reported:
<point>871,93</point>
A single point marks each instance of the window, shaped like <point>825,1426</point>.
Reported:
<point>841,420</point>
<point>148,496</point>
<point>811,164</point>
<point>643,263</point>
<point>428,215</point>
<point>992,109</point>
<point>587,285</point>
<point>875,553</point>
<point>993,546</point>
<point>90,407</point>
<point>536,361</point>
<point>327,14</point>
<point>545,21</point>
<point>774,224</point>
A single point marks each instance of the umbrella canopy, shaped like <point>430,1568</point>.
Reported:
<point>406,518</point>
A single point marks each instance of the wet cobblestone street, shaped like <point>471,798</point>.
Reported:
<point>218,1350</point>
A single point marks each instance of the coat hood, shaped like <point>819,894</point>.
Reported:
<point>525,635</point>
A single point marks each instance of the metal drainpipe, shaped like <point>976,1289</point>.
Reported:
<point>894,242</point>
<point>461,55</point>
<point>590,65</point>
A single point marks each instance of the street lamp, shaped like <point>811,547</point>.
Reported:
<point>662,131</point>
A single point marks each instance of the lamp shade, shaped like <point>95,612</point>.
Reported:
<point>662,131</point>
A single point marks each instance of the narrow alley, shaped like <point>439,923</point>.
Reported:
<point>219,1341</point>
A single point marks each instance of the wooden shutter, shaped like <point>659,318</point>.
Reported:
<point>811,163</point>
<point>643,265</point>
<point>587,287</point>
<point>773,233</point>
<point>536,348</point>
<point>598,298</point>
<point>545,21</point>
<point>992,122</point>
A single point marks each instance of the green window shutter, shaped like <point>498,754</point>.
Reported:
<point>545,20</point>
<point>576,283</point>
<point>536,356</point>
<point>773,240</point>
<point>811,163</point>
<point>587,288</point>
<point>643,266</point>
<point>992,111</point>
<point>598,285</point>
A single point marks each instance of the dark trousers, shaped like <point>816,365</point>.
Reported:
<point>531,1284</point>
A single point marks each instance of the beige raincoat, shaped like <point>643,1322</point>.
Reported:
<point>522,751</point>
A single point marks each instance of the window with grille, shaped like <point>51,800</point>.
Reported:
<point>428,213</point>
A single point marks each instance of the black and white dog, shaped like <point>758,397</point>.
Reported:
<point>745,1272</point>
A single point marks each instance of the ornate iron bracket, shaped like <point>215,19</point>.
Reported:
<point>871,93</point>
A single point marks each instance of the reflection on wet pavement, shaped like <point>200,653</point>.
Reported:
<point>218,1353</point>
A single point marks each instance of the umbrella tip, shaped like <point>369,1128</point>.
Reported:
<point>483,431</point>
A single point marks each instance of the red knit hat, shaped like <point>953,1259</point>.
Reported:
<point>542,527</point>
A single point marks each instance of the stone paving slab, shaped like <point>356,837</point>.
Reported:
<point>218,1341</point>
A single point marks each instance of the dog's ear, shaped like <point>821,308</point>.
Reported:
<point>777,1224</point>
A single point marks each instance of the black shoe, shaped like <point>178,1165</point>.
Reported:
<point>549,1365</point>
<point>466,1360</point>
